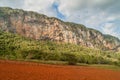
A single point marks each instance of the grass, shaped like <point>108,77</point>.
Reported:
<point>49,62</point>
<point>103,66</point>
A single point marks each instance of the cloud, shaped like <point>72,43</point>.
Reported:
<point>42,6</point>
<point>12,3</point>
<point>110,5</point>
<point>110,28</point>
<point>103,15</point>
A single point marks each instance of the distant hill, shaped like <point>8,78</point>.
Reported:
<point>40,27</point>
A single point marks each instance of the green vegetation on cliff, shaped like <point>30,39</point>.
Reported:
<point>16,47</point>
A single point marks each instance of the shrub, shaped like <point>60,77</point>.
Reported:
<point>70,57</point>
<point>54,56</point>
<point>85,59</point>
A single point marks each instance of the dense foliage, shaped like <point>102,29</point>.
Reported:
<point>16,47</point>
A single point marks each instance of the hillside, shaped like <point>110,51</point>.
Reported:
<point>40,27</point>
<point>16,47</point>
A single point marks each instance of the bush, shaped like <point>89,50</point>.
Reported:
<point>29,54</point>
<point>70,57</point>
<point>54,56</point>
<point>116,63</point>
<point>86,59</point>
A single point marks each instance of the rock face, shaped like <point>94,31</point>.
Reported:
<point>40,27</point>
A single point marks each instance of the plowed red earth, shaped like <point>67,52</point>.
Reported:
<point>16,70</point>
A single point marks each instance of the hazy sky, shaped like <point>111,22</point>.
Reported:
<point>103,15</point>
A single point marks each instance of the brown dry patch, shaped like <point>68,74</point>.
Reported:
<point>16,70</point>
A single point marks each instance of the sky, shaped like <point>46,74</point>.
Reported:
<point>103,15</point>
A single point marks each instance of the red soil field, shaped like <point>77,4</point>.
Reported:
<point>16,70</point>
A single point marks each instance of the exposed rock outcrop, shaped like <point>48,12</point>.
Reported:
<point>40,27</point>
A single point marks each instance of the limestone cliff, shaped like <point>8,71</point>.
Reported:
<point>40,27</point>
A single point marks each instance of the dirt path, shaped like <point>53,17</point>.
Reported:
<point>11,70</point>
